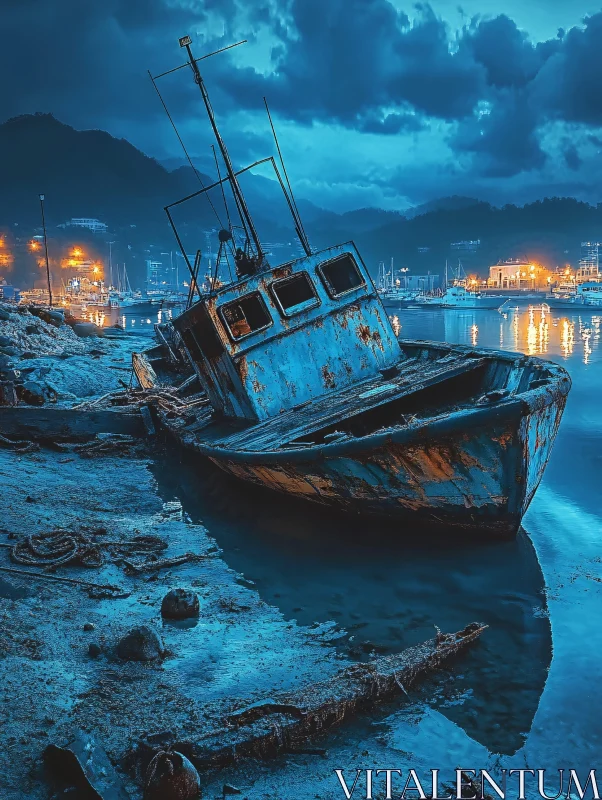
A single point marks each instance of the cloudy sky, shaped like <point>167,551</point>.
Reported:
<point>376,102</point>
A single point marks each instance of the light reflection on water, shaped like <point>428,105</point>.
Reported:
<point>534,330</point>
<point>129,320</point>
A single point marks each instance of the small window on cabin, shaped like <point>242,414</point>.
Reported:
<point>245,316</point>
<point>295,294</point>
<point>341,275</point>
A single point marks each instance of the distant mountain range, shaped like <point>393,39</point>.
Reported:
<point>90,173</point>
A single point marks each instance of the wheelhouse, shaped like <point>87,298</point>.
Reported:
<point>283,337</point>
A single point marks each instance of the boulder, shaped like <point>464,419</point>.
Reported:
<point>180,604</point>
<point>53,317</point>
<point>171,776</point>
<point>85,329</point>
<point>31,392</point>
<point>6,341</point>
<point>142,643</point>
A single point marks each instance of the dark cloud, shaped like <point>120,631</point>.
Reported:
<point>569,86</point>
<point>347,59</point>
<point>86,62</point>
<point>509,58</point>
<point>504,141</point>
<point>364,65</point>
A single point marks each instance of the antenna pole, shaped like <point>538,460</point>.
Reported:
<point>46,251</point>
<point>185,42</point>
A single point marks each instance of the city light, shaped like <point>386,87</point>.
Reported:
<point>33,245</point>
<point>77,252</point>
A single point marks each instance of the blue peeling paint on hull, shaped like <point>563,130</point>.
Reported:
<point>480,480</point>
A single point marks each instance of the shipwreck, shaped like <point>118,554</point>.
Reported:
<point>310,392</point>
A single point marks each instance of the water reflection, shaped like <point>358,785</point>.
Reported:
<point>567,337</point>
<point>536,330</point>
<point>388,593</point>
<point>127,318</point>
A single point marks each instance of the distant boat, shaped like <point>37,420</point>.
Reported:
<point>586,297</point>
<point>391,290</point>
<point>460,296</point>
<point>399,296</point>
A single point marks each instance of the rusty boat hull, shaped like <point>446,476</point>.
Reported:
<point>464,454</point>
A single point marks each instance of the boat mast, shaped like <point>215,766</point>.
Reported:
<point>185,42</point>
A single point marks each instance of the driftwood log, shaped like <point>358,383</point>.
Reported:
<point>285,721</point>
<point>146,375</point>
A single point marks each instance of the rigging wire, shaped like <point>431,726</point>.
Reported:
<point>173,125</point>
<point>288,183</point>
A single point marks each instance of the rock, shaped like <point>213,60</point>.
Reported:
<point>140,644</point>
<point>32,329</point>
<point>9,350</point>
<point>28,354</point>
<point>8,394</point>
<point>31,392</point>
<point>82,763</point>
<point>85,329</point>
<point>55,318</point>
<point>94,650</point>
<point>180,604</point>
<point>6,341</point>
<point>89,626</point>
<point>171,776</point>
<point>5,315</point>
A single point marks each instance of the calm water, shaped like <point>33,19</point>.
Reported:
<point>528,694</point>
<point>129,320</point>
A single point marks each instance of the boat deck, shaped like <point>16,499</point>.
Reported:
<point>414,374</point>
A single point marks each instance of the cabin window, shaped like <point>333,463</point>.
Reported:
<point>295,294</point>
<point>245,316</point>
<point>341,275</point>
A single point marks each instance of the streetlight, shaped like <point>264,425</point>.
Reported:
<point>46,250</point>
<point>111,263</point>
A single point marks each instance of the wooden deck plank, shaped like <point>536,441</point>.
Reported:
<point>334,408</point>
